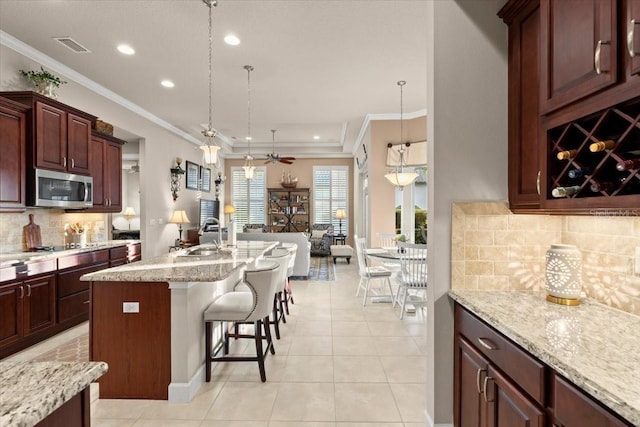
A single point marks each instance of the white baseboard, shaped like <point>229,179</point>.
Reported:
<point>185,392</point>
<point>430,422</point>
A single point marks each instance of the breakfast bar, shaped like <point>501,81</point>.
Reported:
<point>146,319</point>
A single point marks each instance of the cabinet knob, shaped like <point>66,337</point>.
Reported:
<point>631,34</point>
<point>596,58</point>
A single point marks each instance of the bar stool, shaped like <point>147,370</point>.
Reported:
<point>288,292</point>
<point>263,281</point>
<point>283,257</point>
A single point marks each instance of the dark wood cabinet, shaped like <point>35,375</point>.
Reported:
<point>631,28</point>
<point>58,135</point>
<point>27,301</point>
<point>106,170</point>
<point>124,254</point>
<point>497,383</point>
<point>12,155</point>
<point>73,293</point>
<point>289,209</point>
<point>571,407</point>
<point>76,412</point>
<point>523,20</point>
<point>579,50</point>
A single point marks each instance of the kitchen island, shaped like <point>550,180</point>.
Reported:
<point>146,319</point>
<point>50,393</point>
<point>593,346</point>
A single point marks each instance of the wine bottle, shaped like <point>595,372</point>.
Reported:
<point>577,173</point>
<point>565,191</point>
<point>568,154</point>
<point>626,165</point>
<point>597,187</point>
<point>602,145</point>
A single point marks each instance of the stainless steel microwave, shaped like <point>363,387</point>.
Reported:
<point>51,189</point>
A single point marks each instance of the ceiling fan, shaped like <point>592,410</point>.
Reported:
<point>135,168</point>
<point>273,157</point>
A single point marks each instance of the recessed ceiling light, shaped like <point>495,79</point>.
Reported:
<point>316,137</point>
<point>167,83</point>
<point>232,40</point>
<point>126,49</point>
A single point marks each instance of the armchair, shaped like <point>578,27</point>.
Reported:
<point>321,239</point>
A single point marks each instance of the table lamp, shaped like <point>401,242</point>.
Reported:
<point>179,217</point>
<point>128,214</point>
<point>340,215</point>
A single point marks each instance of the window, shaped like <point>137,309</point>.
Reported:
<point>330,192</point>
<point>248,196</point>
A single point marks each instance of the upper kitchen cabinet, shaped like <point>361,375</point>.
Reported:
<point>579,50</point>
<point>12,155</point>
<point>106,170</point>
<point>523,19</point>
<point>59,135</point>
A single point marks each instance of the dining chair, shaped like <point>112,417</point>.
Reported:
<point>253,306</point>
<point>368,273</point>
<point>413,274</point>
<point>388,240</point>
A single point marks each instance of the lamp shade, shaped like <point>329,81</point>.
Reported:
<point>341,214</point>
<point>400,179</point>
<point>179,217</point>
<point>129,212</point>
<point>229,209</point>
<point>210,153</point>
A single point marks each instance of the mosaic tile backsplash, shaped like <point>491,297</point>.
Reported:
<point>494,249</point>
<point>51,222</point>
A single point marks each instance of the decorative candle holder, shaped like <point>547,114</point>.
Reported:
<point>563,274</point>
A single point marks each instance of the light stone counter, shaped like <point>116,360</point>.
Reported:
<point>10,258</point>
<point>30,391</point>
<point>594,346</point>
<point>176,267</point>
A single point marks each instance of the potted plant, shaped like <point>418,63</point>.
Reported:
<point>45,82</point>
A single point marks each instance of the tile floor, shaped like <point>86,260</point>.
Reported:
<point>338,364</point>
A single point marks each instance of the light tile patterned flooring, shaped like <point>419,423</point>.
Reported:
<point>338,364</point>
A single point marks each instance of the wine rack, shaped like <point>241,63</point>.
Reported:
<point>576,170</point>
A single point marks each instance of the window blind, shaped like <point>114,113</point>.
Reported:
<point>330,192</point>
<point>249,196</point>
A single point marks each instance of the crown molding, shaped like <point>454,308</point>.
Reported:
<point>384,116</point>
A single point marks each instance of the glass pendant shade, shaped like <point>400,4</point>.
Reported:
<point>249,168</point>
<point>400,179</point>
<point>210,154</point>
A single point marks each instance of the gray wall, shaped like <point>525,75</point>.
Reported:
<point>467,134</point>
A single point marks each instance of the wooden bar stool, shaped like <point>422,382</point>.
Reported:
<point>255,306</point>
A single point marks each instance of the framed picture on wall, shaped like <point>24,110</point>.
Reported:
<point>192,176</point>
<point>205,177</point>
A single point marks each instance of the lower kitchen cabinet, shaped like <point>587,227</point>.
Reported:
<point>27,304</point>
<point>72,293</point>
<point>497,383</point>
<point>125,254</point>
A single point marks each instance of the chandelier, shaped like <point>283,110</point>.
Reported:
<point>398,177</point>
<point>248,167</point>
<point>209,147</point>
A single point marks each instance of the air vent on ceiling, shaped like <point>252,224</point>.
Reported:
<point>72,44</point>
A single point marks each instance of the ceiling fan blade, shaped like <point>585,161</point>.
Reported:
<point>286,162</point>
<point>288,158</point>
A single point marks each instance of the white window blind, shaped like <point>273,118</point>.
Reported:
<point>248,196</point>
<point>330,192</point>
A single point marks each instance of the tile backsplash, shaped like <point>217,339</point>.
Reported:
<point>495,249</point>
<point>51,222</point>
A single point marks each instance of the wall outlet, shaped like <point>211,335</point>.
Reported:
<point>152,221</point>
<point>131,307</point>
<point>160,221</point>
<point>636,264</point>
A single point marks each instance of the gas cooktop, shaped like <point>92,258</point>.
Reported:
<point>46,249</point>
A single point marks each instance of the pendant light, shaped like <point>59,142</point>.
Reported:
<point>399,178</point>
<point>248,167</point>
<point>209,148</point>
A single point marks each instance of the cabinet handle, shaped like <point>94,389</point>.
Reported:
<point>85,302</point>
<point>73,163</point>
<point>538,182</point>
<point>21,292</point>
<point>64,162</point>
<point>596,58</point>
<point>28,290</point>
<point>484,388</point>
<point>478,374</point>
<point>630,37</point>
<point>486,343</point>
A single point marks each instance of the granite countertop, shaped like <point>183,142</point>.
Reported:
<point>30,391</point>
<point>594,346</point>
<point>176,267</point>
<point>11,258</point>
